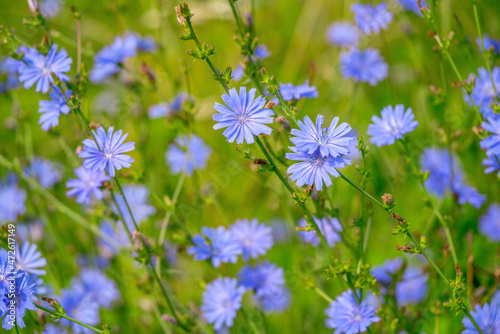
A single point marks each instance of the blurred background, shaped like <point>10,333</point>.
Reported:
<point>230,187</point>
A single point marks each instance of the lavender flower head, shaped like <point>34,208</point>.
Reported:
<point>413,287</point>
<point>346,316</point>
<point>483,93</point>
<point>343,34</point>
<point>492,164</point>
<point>314,168</point>
<point>412,5</point>
<point>329,227</point>
<point>489,223</point>
<point>487,318</point>
<point>370,18</point>
<point>330,141</point>
<point>384,273</point>
<point>108,153</point>
<point>244,116</point>
<point>137,198</point>
<point>264,278</point>
<point>395,123</point>
<point>187,154</point>
<point>217,244</point>
<point>87,185</point>
<point>363,66</point>
<point>79,305</point>
<point>30,260</point>
<point>492,143</point>
<point>13,203</point>
<point>22,298</point>
<point>221,301</point>
<point>489,43</point>
<point>50,110</point>
<point>45,172</point>
<point>98,286</point>
<point>289,92</point>
<point>255,239</point>
<point>39,69</point>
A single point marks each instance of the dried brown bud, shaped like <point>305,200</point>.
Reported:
<point>94,125</point>
<point>270,104</point>
<point>258,161</point>
<point>404,248</point>
<point>180,18</point>
<point>388,199</point>
<point>435,90</point>
<point>79,148</point>
<point>400,219</point>
<point>282,120</point>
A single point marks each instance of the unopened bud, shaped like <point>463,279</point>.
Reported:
<point>283,121</point>
<point>388,199</point>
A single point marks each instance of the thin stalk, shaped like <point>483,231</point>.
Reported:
<point>323,294</point>
<point>485,55</point>
<point>57,314</point>
<point>78,45</point>
<point>168,214</point>
<point>250,321</point>
<point>438,214</point>
<point>150,264</point>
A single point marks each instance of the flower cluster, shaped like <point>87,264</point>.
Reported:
<point>320,151</point>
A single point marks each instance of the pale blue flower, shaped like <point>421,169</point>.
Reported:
<point>100,287</point>
<point>262,52</point>
<point>372,18</point>
<point>13,203</point>
<point>87,185</point>
<point>492,164</point>
<point>39,69</point>
<point>395,123</point>
<point>264,278</point>
<point>186,154</point>
<point>30,260</point>
<point>172,107</point>
<point>331,141</point>
<point>44,171</point>
<point>50,110</point>
<point>79,305</point>
<point>346,316</point>
<point>314,168</point>
<point>255,239</point>
<point>483,93</point>
<point>384,274</point>
<point>489,223</point>
<point>343,34</point>
<point>290,92</point>
<point>413,286</point>
<point>363,66</point>
<point>244,116</point>
<point>218,244</point>
<point>330,228</point>
<point>137,199</point>
<point>7,271</point>
<point>487,318</point>
<point>492,143</point>
<point>22,298</point>
<point>488,43</point>
<point>277,301</point>
<point>412,5</point>
<point>221,301</point>
<point>109,152</point>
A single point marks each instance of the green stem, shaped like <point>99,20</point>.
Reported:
<point>323,295</point>
<point>250,321</point>
<point>168,214</point>
<point>57,314</point>
<point>485,54</point>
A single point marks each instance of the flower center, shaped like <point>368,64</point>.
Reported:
<point>242,118</point>
<point>108,153</point>
<point>317,161</point>
<point>358,317</point>
<point>45,71</point>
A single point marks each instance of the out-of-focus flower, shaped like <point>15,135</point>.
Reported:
<point>492,142</point>
<point>44,171</point>
<point>289,92</point>
<point>264,278</point>
<point>445,173</point>
<point>79,305</point>
<point>487,318</point>
<point>489,223</point>
<point>483,93</point>
<point>488,43</point>
<point>50,110</point>
<point>87,185</point>
<point>492,164</point>
<point>109,154</point>
<point>413,287</point>
<point>370,18</point>
<point>137,199</point>
<point>412,5</point>
<point>395,123</point>
<point>329,227</point>
<point>187,154</point>
<point>218,244</point>
<point>384,273</point>
<point>244,116</point>
<point>13,203</point>
<point>99,286</point>
<point>365,66</point>
<point>221,301</point>
<point>165,109</point>
<point>343,34</point>
<point>255,239</point>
